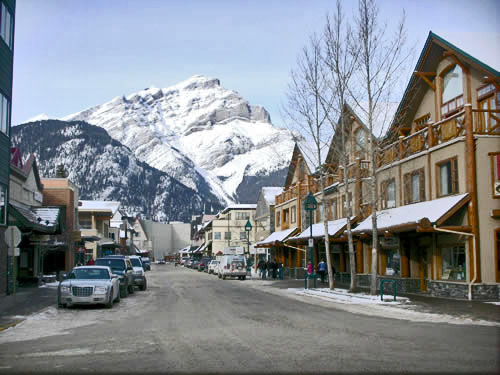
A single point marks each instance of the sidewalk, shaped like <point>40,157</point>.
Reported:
<point>461,309</point>
<point>28,300</point>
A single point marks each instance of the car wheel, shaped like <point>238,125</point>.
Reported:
<point>118,297</point>
<point>131,288</point>
<point>223,277</point>
<point>124,291</point>
<point>243,277</point>
<point>109,304</point>
<point>143,286</point>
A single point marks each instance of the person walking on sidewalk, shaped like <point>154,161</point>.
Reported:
<point>262,267</point>
<point>322,270</point>
<point>280,269</point>
<point>309,268</point>
<point>274,265</point>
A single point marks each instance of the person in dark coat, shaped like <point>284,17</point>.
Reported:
<point>275,268</point>
<point>333,274</point>
<point>262,267</point>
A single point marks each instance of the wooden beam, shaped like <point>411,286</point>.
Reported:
<point>454,57</point>
<point>426,80</point>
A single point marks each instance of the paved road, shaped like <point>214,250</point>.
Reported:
<point>193,322</point>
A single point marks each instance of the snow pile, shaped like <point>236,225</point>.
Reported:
<point>196,130</point>
<point>53,285</point>
<point>343,296</point>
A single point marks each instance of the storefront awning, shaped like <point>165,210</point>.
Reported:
<point>335,228</point>
<point>276,238</point>
<point>407,218</point>
<point>202,248</point>
<point>36,219</point>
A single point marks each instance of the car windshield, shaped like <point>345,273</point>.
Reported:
<point>136,262</point>
<point>114,264</point>
<point>89,274</point>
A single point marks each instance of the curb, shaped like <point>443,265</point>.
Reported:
<point>10,325</point>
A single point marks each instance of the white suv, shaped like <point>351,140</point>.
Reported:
<point>232,266</point>
<point>212,266</point>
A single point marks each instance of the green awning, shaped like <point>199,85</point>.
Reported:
<point>36,219</point>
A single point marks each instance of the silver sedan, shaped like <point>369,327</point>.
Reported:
<point>89,285</point>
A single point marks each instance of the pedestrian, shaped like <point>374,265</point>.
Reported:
<point>90,262</point>
<point>322,270</point>
<point>275,268</point>
<point>262,267</point>
<point>280,268</point>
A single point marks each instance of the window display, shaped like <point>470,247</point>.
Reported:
<point>453,263</point>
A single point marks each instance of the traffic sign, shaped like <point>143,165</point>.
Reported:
<point>311,242</point>
<point>12,236</point>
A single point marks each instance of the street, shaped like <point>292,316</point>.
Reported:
<point>193,322</point>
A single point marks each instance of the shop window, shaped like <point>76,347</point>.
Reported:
<point>447,172</point>
<point>286,216</point>
<point>293,214</point>
<point>388,193</point>
<point>333,209</point>
<point>217,235</point>
<point>4,114</point>
<point>227,235</point>
<point>453,263</point>
<point>3,204</point>
<point>6,26</point>
<point>393,267</point>
<point>497,252</point>
<point>495,173</point>
<point>414,186</point>
<point>452,92</point>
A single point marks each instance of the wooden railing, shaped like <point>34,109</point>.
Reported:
<point>486,121</point>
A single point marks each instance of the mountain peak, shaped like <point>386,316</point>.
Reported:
<point>199,81</point>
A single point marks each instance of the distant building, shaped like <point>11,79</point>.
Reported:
<point>167,239</point>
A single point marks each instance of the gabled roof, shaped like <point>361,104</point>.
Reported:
<point>240,206</point>
<point>38,219</point>
<point>428,61</point>
<point>23,170</point>
<point>297,152</point>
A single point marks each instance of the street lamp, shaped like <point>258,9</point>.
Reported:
<point>310,204</point>
<point>125,227</point>
<point>248,228</point>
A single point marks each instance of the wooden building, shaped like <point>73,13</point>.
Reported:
<point>7,22</point>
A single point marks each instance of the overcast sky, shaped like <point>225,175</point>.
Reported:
<point>71,55</point>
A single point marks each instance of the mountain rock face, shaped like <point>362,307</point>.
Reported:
<point>208,138</point>
<point>104,169</point>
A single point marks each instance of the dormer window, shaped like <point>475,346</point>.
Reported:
<point>452,98</point>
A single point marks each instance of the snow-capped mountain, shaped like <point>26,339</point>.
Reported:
<point>104,169</point>
<point>201,134</point>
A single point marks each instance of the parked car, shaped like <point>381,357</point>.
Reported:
<point>147,263</point>
<point>195,263</point>
<point>183,260</point>
<point>188,263</point>
<point>161,261</point>
<point>139,274</point>
<point>232,266</point>
<point>212,266</point>
<point>203,264</point>
<point>121,266</point>
<point>89,285</point>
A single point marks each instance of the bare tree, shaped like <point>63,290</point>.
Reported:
<point>341,59</point>
<point>381,59</point>
<point>306,110</point>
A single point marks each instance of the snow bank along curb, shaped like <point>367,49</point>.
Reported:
<point>343,296</point>
<point>391,310</point>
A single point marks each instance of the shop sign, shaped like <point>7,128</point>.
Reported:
<point>389,242</point>
<point>233,250</point>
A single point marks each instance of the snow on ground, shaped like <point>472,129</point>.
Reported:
<point>494,303</point>
<point>358,304</point>
<point>54,285</point>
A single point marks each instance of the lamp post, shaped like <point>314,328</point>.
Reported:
<point>248,228</point>
<point>125,227</point>
<point>310,205</point>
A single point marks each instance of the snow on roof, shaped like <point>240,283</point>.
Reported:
<point>411,214</point>
<point>49,215</point>
<point>206,218</point>
<point>277,236</point>
<point>318,229</point>
<point>270,192</point>
<point>99,205</point>
<point>241,206</point>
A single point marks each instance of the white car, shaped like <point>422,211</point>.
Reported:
<point>139,274</point>
<point>232,266</point>
<point>89,285</point>
<point>212,266</point>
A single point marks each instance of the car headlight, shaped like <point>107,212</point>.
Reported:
<point>65,289</point>
<point>100,290</point>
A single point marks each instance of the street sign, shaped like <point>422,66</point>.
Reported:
<point>12,236</point>
<point>311,242</point>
